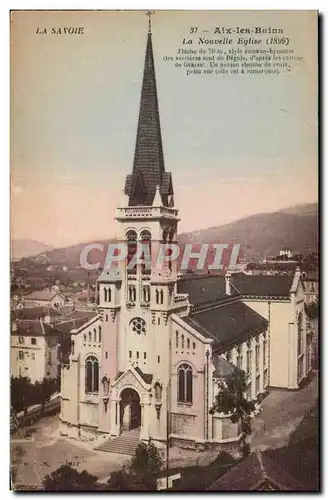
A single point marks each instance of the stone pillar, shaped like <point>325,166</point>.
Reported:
<point>115,417</point>
<point>144,431</point>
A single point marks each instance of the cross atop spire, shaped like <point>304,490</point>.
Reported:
<point>149,14</point>
<point>148,166</point>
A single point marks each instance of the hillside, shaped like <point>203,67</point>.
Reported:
<point>27,248</point>
<point>259,235</point>
<point>265,234</point>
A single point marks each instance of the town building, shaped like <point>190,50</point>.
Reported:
<point>151,360</point>
<point>33,350</point>
<point>286,252</point>
<point>41,341</point>
<point>258,472</point>
<point>45,297</point>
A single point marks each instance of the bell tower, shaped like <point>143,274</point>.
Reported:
<point>149,218</point>
<point>138,296</point>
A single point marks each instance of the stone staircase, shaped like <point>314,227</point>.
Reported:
<point>124,444</point>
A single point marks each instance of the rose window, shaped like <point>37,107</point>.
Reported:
<point>138,326</point>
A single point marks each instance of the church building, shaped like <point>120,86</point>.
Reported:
<point>150,360</point>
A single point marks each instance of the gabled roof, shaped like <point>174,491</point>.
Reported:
<point>228,324</point>
<point>255,473</point>
<point>202,289</point>
<point>77,314</point>
<point>147,377</point>
<point>262,286</point>
<point>34,312</point>
<point>301,460</point>
<point>32,328</point>
<point>71,324</point>
<point>45,295</point>
<point>148,167</point>
<point>137,373</point>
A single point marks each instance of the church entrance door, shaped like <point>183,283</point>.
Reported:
<point>130,410</point>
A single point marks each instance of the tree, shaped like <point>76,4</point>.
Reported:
<point>21,393</point>
<point>25,394</point>
<point>119,481</point>
<point>141,473</point>
<point>145,466</point>
<point>67,478</point>
<point>45,389</point>
<point>232,400</point>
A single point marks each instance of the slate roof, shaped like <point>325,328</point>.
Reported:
<point>147,377</point>
<point>202,289</point>
<point>255,471</point>
<point>301,460</point>
<point>31,328</point>
<point>76,314</point>
<point>228,324</point>
<point>262,286</point>
<point>68,325</point>
<point>148,167</point>
<point>34,312</point>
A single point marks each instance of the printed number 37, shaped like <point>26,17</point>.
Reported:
<point>193,30</point>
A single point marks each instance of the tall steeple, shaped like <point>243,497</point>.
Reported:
<point>148,167</point>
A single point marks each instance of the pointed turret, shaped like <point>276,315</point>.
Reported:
<point>157,199</point>
<point>148,167</point>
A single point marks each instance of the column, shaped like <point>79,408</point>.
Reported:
<point>115,417</point>
<point>144,431</point>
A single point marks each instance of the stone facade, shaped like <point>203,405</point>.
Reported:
<point>145,362</point>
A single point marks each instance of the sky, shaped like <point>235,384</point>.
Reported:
<point>235,145</point>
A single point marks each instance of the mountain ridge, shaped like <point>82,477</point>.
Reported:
<point>260,235</point>
<point>24,247</point>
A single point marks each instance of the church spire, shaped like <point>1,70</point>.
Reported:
<point>148,167</point>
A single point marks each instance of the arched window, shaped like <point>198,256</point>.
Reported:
<point>99,334</point>
<point>91,374</point>
<point>73,345</point>
<point>132,293</point>
<point>300,334</point>
<point>146,294</point>
<point>89,337</point>
<point>94,335</point>
<point>177,339</point>
<point>182,341</point>
<point>132,248</point>
<point>188,343</point>
<point>157,296</point>
<point>162,296</point>
<point>185,384</point>
<point>84,338</point>
<point>194,346</point>
<point>107,293</point>
<point>146,251</point>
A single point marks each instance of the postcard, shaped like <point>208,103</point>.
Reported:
<point>164,250</point>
